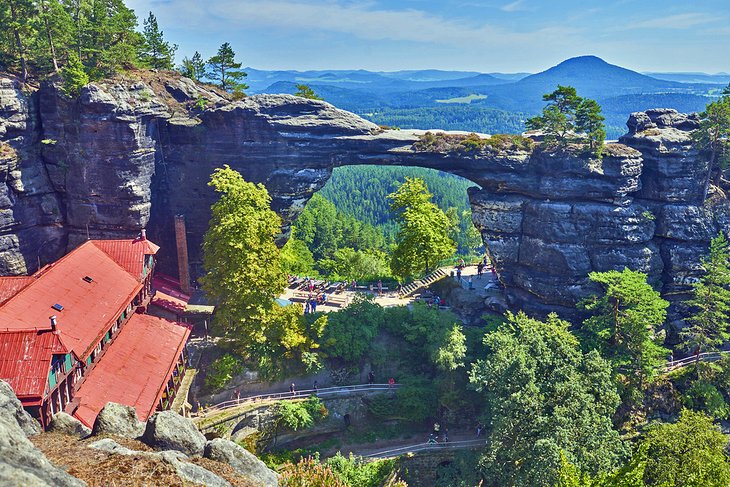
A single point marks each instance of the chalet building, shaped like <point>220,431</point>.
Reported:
<point>74,335</point>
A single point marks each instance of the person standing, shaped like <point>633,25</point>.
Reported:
<point>293,389</point>
<point>315,387</point>
<point>371,377</point>
<point>380,287</point>
<point>458,274</point>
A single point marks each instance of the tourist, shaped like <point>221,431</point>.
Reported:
<point>391,383</point>
<point>313,305</point>
<point>471,284</point>
<point>479,429</point>
<point>446,435</point>
<point>458,274</point>
<point>371,377</point>
<point>380,287</point>
<point>306,307</point>
<point>292,389</point>
<point>480,269</point>
<point>315,387</point>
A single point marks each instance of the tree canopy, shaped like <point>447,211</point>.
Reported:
<point>423,238</point>
<point>568,118</point>
<point>225,71</point>
<point>544,396</point>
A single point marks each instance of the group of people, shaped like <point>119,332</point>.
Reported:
<point>314,300</point>
<point>436,433</point>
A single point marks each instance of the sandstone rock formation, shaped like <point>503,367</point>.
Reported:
<point>241,460</point>
<point>129,154</point>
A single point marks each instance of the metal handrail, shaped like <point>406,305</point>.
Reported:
<point>703,357</point>
<point>283,396</point>
<point>425,446</point>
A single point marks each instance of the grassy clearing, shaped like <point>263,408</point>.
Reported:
<point>464,100</point>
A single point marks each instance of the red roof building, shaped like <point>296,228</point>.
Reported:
<point>66,329</point>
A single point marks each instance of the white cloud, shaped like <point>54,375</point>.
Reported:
<point>679,21</point>
<point>514,6</point>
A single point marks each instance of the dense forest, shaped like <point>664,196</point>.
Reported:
<point>348,228</point>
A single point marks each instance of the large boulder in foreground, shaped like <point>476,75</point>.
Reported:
<point>12,411</point>
<point>68,425</point>
<point>118,420</point>
<point>242,461</point>
<point>167,430</point>
<point>21,463</point>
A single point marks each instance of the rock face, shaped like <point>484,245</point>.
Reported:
<point>241,460</point>
<point>129,154</point>
<point>68,425</point>
<point>167,430</point>
<point>118,420</point>
<point>21,463</point>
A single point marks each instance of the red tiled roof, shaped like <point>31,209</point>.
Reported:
<point>168,294</point>
<point>89,307</point>
<point>135,368</point>
<point>170,303</point>
<point>128,253</point>
<point>12,285</point>
<point>25,360</point>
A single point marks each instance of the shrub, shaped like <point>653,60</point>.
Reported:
<point>703,396</point>
<point>301,414</point>
<point>222,370</point>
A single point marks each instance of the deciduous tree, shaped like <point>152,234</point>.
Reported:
<point>544,397</point>
<point>423,237</point>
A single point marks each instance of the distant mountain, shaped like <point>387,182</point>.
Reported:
<point>719,78</point>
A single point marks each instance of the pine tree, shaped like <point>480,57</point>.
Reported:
<point>222,69</point>
<point>57,24</point>
<point>306,92</point>
<point>156,52</point>
<point>588,120</point>
<point>74,76</point>
<point>193,68</point>
<point>713,137</point>
<point>711,301</point>
<point>18,23</point>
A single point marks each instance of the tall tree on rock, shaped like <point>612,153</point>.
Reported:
<point>155,51</point>
<point>224,70</point>
<point>713,137</point>
<point>625,326</point>
<point>423,237</point>
<point>194,67</point>
<point>711,301</point>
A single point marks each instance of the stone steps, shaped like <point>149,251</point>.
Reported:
<point>418,284</point>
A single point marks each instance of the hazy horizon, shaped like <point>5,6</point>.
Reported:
<point>507,36</point>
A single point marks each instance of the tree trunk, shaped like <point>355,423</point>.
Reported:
<point>18,41</point>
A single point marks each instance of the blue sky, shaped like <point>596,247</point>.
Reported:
<point>486,36</point>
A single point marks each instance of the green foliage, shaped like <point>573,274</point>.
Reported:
<point>690,452</point>
<point>568,118</point>
<point>306,92</point>
<point>422,239</point>
<point>450,355</point>
<point>350,332</point>
<point>544,397</point>
<point>155,52</point>
<point>703,396</point>
<point>244,274</point>
<point>361,265</point>
<point>224,70</point>
<point>361,192</point>
<point>298,415</point>
<point>193,68</point>
<point>624,327</point>
<point>201,103</point>
<point>296,259</point>
<point>358,473</point>
<point>713,134</point>
<point>222,370</point>
<point>73,75</point>
<point>458,143</point>
<point>711,301</point>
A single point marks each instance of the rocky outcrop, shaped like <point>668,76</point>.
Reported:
<point>118,420</point>
<point>21,463</point>
<point>241,460</point>
<point>68,425</point>
<point>132,153</point>
<point>167,430</point>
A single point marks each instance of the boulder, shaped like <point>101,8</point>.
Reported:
<point>21,463</point>
<point>167,430</point>
<point>118,420</point>
<point>68,425</point>
<point>12,411</point>
<point>242,461</point>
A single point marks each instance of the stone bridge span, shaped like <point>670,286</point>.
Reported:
<point>130,153</point>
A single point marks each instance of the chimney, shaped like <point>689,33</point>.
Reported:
<point>54,325</point>
<point>181,240</point>
<point>143,234</point>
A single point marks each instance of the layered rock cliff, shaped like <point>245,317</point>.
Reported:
<point>129,154</point>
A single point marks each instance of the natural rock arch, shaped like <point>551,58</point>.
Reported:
<point>122,159</point>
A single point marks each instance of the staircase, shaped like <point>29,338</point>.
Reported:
<point>418,284</point>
